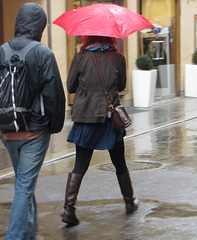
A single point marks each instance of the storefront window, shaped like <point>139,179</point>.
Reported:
<point>158,42</point>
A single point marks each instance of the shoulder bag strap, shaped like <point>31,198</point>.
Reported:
<point>110,105</point>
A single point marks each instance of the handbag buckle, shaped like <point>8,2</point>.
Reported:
<point>110,107</point>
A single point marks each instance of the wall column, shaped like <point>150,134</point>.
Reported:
<point>131,55</point>
<point>1,23</point>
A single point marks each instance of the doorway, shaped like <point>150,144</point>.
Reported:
<point>161,43</point>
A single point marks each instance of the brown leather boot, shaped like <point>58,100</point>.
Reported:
<point>131,203</point>
<point>72,189</point>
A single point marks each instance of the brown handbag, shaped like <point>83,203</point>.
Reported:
<point>120,117</point>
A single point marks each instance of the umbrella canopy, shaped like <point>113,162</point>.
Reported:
<point>102,20</point>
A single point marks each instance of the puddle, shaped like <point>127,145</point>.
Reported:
<point>167,210</point>
<point>106,219</point>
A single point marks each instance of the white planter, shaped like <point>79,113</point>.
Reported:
<point>191,80</point>
<point>144,83</point>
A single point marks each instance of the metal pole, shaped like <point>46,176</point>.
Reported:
<point>49,22</point>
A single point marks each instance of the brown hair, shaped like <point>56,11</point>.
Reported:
<point>86,40</point>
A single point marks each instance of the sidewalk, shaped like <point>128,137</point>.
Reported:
<point>162,160</point>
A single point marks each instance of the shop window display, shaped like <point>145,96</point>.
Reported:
<point>159,42</point>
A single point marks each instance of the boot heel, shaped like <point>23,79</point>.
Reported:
<point>69,218</point>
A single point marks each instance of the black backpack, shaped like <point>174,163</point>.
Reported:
<point>15,107</point>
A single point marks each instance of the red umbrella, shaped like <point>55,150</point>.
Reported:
<point>102,20</point>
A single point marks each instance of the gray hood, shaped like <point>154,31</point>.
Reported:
<point>30,21</point>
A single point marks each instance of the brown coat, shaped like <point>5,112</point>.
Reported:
<point>90,105</point>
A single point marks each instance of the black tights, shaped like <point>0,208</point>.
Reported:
<point>84,155</point>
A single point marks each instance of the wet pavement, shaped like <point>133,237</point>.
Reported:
<point>161,153</point>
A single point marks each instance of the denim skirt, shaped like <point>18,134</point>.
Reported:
<point>100,136</point>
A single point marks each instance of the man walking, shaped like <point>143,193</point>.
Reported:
<point>27,147</point>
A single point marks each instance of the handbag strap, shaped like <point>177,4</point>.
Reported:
<point>110,105</point>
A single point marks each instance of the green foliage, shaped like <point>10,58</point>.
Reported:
<point>144,62</point>
<point>194,58</point>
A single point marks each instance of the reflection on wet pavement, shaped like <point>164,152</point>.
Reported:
<point>165,113</point>
<point>164,148</point>
<point>161,154</point>
<point>166,210</point>
<point>108,221</point>
<point>159,120</point>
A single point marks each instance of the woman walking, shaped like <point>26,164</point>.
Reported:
<point>92,128</point>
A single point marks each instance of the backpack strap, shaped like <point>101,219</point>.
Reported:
<point>9,52</point>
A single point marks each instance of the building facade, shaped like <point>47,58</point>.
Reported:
<point>171,44</point>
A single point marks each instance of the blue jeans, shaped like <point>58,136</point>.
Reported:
<point>27,158</point>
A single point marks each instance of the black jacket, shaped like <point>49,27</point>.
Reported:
<point>45,77</point>
<point>90,105</point>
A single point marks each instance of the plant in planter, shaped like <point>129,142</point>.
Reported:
<point>194,58</point>
<point>144,82</point>
<point>144,62</point>
<point>190,77</point>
